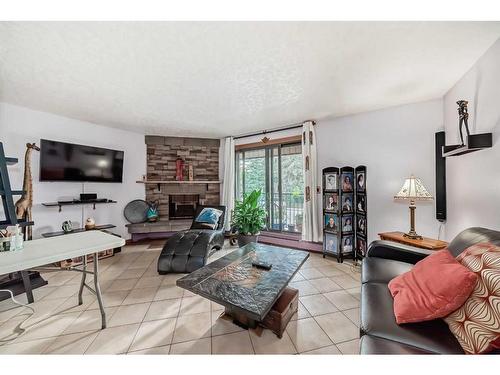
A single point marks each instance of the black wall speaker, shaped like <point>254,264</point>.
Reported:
<point>440,178</point>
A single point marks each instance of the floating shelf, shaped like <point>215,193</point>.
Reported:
<point>76,203</point>
<point>474,142</point>
<point>78,230</point>
<point>179,182</point>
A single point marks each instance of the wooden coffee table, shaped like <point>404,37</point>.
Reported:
<point>246,292</point>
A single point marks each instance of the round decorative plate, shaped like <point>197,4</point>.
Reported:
<point>136,211</point>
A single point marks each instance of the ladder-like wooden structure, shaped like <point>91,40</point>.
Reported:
<point>9,209</point>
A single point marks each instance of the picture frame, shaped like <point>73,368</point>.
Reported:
<point>331,223</point>
<point>347,203</point>
<point>347,182</point>
<point>361,225</point>
<point>347,223</point>
<point>360,181</point>
<point>330,181</point>
<point>347,244</point>
<point>331,243</point>
<point>360,203</point>
<point>331,202</point>
<point>361,246</point>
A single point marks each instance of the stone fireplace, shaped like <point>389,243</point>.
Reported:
<point>202,154</point>
<point>182,206</point>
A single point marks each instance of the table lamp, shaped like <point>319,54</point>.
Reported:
<point>413,190</point>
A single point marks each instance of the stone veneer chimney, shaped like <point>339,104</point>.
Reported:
<point>202,153</point>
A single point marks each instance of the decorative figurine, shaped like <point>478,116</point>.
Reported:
<point>152,213</point>
<point>67,226</point>
<point>89,223</point>
<point>24,204</point>
<point>190,172</point>
<point>179,169</point>
<point>463,118</point>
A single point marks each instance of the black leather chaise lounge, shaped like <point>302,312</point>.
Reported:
<point>189,250</point>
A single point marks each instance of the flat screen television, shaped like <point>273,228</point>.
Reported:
<point>60,161</point>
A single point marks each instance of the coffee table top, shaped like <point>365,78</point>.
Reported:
<point>232,281</point>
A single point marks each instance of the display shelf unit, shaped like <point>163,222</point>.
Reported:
<point>361,209</point>
<point>22,281</point>
<point>77,203</point>
<point>342,219</point>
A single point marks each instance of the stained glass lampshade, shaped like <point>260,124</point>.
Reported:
<point>413,190</point>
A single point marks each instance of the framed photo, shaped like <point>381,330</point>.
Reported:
<point>331,243</point>
<point>360,181</point>
<point>361,225</point>
<point>346,181</point>
<point>347,244</point>
<point>361,203</point>
<point>331,202</point>
<point>361,246</point>
<point>347,224</point>
<point>331,222</point>
<point>347,203</point>
<point>330,181</point>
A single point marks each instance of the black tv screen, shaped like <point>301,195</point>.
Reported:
<point>61,161</point>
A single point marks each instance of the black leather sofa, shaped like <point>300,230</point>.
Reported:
<point>189,250</point>
<point>380,334</point>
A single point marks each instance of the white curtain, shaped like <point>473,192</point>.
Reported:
<point>310,225</point>
<point>228,184</point>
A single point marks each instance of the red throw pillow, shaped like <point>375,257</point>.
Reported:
<point>435,287</point>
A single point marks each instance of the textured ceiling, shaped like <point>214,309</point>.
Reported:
<point>222,78</point>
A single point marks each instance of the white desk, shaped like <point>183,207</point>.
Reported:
<point>44,251</point>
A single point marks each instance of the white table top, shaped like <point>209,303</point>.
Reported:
<point>44,251</point>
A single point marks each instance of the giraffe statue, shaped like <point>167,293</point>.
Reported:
<point>23,205</point>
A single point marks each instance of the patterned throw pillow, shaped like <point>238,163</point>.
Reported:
<point>476,324</point>
<point>209,215</point>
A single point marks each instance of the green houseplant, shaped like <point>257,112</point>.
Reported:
<point>249,217</point>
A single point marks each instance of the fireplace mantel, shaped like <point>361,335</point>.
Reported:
<point>178,182</point>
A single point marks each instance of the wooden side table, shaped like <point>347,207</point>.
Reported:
<point>425,243</point>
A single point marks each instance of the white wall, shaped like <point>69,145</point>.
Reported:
<point>473,180</point>
<point>20,125</point>
<point>393,143</point>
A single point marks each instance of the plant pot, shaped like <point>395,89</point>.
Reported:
<point>243,239</point>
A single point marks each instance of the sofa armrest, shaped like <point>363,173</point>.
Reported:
<point>396,251</point>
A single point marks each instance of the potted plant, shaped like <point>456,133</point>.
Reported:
<point>249,217</point>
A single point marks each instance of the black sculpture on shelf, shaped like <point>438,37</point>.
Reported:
<point>463,118</point>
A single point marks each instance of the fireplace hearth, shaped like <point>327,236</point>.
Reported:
<point>182,206</point>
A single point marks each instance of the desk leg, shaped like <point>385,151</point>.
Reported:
<point>98,289</point>
<point>82,283</point>
<point>27,286</point>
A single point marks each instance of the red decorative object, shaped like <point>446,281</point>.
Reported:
<point>434,288</point>
<point>179,169</point>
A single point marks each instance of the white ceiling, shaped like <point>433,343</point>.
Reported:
<point>226,78</point>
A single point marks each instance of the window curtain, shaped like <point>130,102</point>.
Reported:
<point>228,185</point>
<point>310,225</point>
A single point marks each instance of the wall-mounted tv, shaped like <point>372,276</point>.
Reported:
<point>61,161</point>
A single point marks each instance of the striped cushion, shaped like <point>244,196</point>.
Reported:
<point>476,324</point>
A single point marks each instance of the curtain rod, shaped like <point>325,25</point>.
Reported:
<point>288,127</point>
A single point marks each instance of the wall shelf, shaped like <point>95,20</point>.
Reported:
<point>179,182</point>
<point>474,142</point>
<point>76,203</point>
<point>184,182</point>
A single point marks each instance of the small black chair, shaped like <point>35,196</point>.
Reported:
<point>189,250</point>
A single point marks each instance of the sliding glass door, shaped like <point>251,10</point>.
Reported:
<point>277,171</point>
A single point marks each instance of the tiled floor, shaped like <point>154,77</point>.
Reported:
<point>149,314</point>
